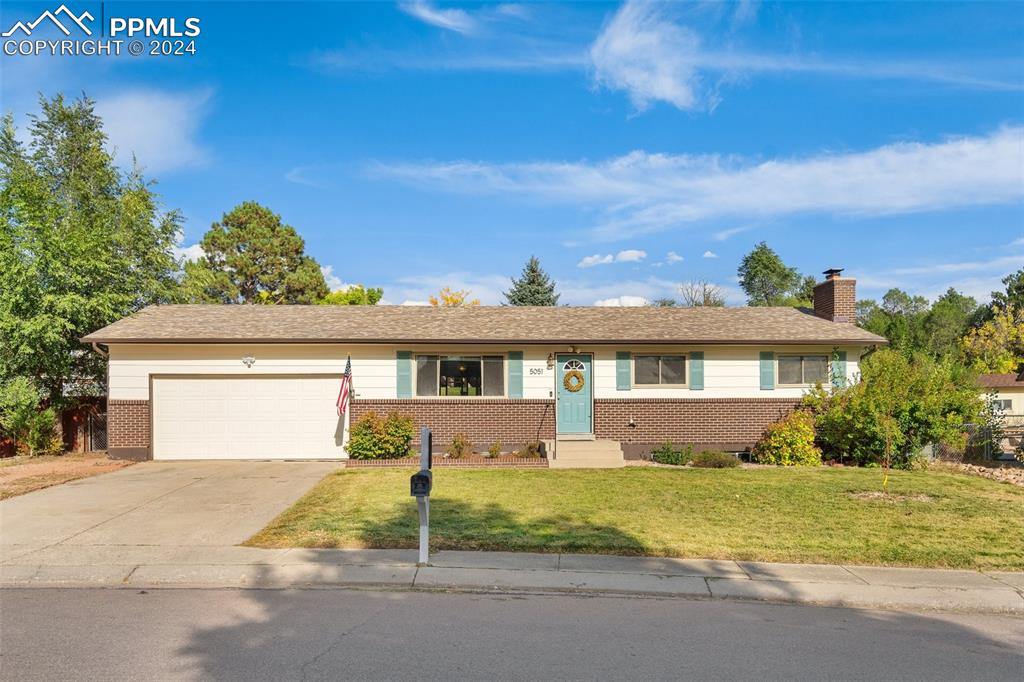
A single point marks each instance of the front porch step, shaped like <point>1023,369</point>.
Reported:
<point>584,454</point>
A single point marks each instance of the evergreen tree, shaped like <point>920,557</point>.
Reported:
<point>534,287</point>
<point>766,280</point>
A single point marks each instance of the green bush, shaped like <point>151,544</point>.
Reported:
<point>460,446</point>
<point>377,437</point>
<point>714,459</point>
<point>495,449</point>
<point>789,442</point>
<point>667,453</point>
<point>33,430</point>
<point>901,404</point>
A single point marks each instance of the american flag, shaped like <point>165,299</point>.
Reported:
<point>346,388</point>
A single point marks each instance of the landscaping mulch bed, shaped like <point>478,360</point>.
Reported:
<point>20,475</point>
<point>469,462</point>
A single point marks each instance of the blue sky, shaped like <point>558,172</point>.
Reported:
<point>629,146</point>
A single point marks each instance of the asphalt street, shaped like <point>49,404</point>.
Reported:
<point>122,634</point>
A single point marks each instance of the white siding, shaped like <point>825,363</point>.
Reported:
<point>729,371</point>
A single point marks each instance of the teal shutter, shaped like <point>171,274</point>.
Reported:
<point>623,375</point>
<point>515,374</point>
<point>839,368</point>
<point>697,370</point>
<point>403,374</point>
<point>767,370</point>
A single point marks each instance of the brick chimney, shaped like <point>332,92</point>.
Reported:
<point>835,299</point>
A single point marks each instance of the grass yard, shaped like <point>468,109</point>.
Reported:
<point>789,515</point>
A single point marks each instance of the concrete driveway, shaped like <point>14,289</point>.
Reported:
<point>156,508</point>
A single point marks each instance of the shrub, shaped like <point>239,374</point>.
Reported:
<point>789,442</point>
<point>33,430</point>
<point>667,453</point>
<point>714,459</point>
<point>495,449</point>
<point>377,437</point>
<point>460,446</point>
<point>532,449</point>
<point>901,404</point>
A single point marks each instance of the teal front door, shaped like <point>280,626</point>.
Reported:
<point>575,390</point>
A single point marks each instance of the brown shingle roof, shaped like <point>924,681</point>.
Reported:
<point>477,324</point>
<point>1008,380</point>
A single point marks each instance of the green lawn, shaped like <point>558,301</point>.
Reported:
<point>794,515</point>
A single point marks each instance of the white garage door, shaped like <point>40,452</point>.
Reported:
<point>258,417</point>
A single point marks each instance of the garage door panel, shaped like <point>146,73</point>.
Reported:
<point>264,417</point>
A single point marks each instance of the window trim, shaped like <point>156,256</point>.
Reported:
<point>824,382</point>
<point>454,354</point>
<point>632,369</point>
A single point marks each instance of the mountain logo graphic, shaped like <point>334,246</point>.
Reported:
<point>52,16</point>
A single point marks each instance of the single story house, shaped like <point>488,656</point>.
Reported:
<point>260,382</point>
<point>1007,390</point>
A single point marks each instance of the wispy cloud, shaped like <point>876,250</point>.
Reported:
<point>450,19</point>
<point>596,259</point>
<point>643,192</point>
<point>300,175</point>
<point>657,53</point>
<point>622,302</point>
<point>672,257</point>
<point>159,128</point>
<point>723,235</point>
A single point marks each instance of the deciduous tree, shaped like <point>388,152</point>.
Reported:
<point>448,297</point>
<point>998,344</point>
<point>766,280</point>
<point>701,293</point>
<point>356,294</point>
<point>82,244</point>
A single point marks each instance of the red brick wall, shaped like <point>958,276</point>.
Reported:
<point>724,423</point>
<point>836,300</point>
<point>127,427</point>
<point>513,422</point>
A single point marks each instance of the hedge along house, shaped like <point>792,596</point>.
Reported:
<point>596,384</point>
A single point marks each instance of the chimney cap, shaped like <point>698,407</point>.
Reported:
<point>832,273</point>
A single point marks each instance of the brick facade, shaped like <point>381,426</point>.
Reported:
<point>128,429</point>
<point>726,423</point>
<point>835,299</point>
<point>513,422</point>
<point>732,424</point>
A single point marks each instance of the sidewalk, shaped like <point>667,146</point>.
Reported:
<point>142,566</point>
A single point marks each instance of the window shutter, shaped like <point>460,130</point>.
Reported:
<point>515,374</point>
<point>839,368</point>
<point>767,370</point>
<point>403,374</point>
<point>623,376</point>
<point>697,371</point>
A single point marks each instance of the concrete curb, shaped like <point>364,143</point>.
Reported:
<point>496,572</point>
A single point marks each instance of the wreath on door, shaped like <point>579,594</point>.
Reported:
<point>573,380</point>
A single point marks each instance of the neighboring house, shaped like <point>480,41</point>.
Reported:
<point>239,382</point>
<point>1008,392</point>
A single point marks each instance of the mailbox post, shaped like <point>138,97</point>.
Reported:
<point>419,487</point>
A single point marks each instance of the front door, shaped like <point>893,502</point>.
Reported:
<point>575,390</point>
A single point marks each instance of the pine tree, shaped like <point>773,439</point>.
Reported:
<point>534,287</point>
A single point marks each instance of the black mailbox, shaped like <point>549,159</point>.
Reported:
<point>420,483</point>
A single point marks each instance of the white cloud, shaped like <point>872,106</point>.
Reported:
<point>723,235</point>
<point>672,257</point>
<point>160,128</point>
<point>647,52</point>
<point>630,256</point>
<point>334,283</point>
<point>622,301</point>
<point>596,259</point>
<point>300,176</point>
<point>193,252</point>
<point>643,192</point>
<point>450,19</point>
<point>649,57</point>
<point>709,254</point>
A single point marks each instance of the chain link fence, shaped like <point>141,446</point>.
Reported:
<point>97,431</point>
<point>986,442</point>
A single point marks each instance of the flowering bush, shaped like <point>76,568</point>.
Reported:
<point>789,442</point>
<point>377,437</point>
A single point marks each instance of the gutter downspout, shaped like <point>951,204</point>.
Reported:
<point>96,347</point>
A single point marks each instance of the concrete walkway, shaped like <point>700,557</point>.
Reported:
<point>140,566</point>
